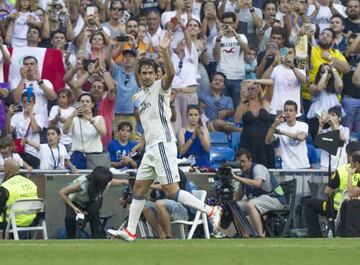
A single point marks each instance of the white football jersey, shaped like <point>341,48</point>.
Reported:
<point>155,114</point>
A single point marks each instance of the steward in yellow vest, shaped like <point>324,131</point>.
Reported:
<point>15,187</point>
<point>338,183</point>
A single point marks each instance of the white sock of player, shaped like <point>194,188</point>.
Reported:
<point>136,208</point>
<point>190,200</point>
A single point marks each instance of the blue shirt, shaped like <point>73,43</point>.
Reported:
<point>125,89</point>
<point>201,156</point>
<point>116,150</point>
<point>214,105</point>
<point>341,46</point>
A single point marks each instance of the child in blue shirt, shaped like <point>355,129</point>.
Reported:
<point>250,63</point>
<point>120,149</point>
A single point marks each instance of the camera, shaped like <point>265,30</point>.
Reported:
<point>224,187</point>
<point>80,219</point>
<point>128,191</point>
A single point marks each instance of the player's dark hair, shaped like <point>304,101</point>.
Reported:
<point>148,62</point>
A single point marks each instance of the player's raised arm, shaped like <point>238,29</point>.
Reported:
<point>164,47</point>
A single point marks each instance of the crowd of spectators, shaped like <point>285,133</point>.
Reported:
<point>278,71</point>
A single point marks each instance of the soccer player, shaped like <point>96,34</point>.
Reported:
<point>159,160</point>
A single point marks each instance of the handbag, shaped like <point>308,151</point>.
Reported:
<point>19,146</point>
<point>94,160</point>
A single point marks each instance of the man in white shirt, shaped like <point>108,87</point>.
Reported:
<point>154,32</point>
<point>229,50</point>
<point>287,79</point>
<point>42,88</point>
<point>292,135</point>
<point>159,161</point>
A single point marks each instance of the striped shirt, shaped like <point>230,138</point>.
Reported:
<point>155,114</point>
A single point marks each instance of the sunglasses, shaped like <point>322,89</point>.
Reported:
<point>117,9</point>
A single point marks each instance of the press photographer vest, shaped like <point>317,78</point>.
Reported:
<point>19,188</point>
<point>276,190</point>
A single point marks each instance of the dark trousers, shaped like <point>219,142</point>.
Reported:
<point>31,160</point>
<point>314,207</point>
<point>93,216</point>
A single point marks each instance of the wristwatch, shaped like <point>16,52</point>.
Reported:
<point>252,9</point>
<point>40,82</point>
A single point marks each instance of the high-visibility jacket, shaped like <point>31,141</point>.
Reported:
<point>343,172</point>
<point>19,188</point>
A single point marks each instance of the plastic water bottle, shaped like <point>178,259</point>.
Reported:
<point>278,162</point>
<point>330,234</point>
<point>29,91</point>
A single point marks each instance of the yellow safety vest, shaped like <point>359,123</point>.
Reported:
<point>343,175</point>
<point>19,188</point>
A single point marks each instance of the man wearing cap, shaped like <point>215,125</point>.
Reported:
<point>15,187</point>
<point>124,76</point>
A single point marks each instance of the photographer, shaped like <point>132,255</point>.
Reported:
<point>261,189</point>
<point>84,197</point>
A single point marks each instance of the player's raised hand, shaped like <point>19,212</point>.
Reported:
<point>165,42</point>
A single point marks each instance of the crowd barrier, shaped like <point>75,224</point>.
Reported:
<point>49,182</point>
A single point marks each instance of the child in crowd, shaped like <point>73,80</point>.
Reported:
<point>250,63</point>
<point>7,151</point>
<point>120,149</point>
<point>53,155</point>
<point>59,114</point>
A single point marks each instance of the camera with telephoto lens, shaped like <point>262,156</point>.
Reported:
<point>128,191</point>
<point>224,189</point>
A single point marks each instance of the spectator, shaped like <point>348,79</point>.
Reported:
<point>229,49</point>
<point>194,139</point>
<point>53,155</point>
<point>282,11</point>
<point>42,88</point>
<point>250,63</point>
<point>337,185</point>
<point>351,92</point>
<point>296,18</point>
<point>98,45</point>
<point>84,196</point>
<point>120,148</point>
<point>337,25</point>
<point>352,22</point>
<point>250,21</point>
<point>33,37</point>
<point>57,18</point>
<point>333,119</point>
<point>26,123</point>
<point>292,135</point>
<point>7,152</point>
<point>116,11</point>
<point>91,26</point>
<point>126,87</point>
<point>60,113</point>
<point>210,26</point>
<point>266,58</point>
<point>287,79</point>
<point>154,31</point>
<point>218,108</point>
<point>185,59</point>
<point>12,190</point>
<point>58,41</point>
<point>20,20</point>
<point>263,193</point>
<point>269,11</point>
<point>86,129</point>
<point>327,86</point>
<point>322,11</point>
<point>4,90</point>
<point>254,113</point>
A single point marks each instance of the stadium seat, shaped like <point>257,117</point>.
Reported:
<point>28,206</point>
<point>219,154</point>
<point>218,138</point>
<point>355,136</point>
<point>283,218</point>
<point>235,140</point>
<point>200,218</point>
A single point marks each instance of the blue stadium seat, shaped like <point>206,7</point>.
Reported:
<point>218,138</point>
<point>235,140</point>
<point>219,154</point>
<point>355,136</point>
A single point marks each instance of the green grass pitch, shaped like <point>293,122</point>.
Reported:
<point>184,252</point>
